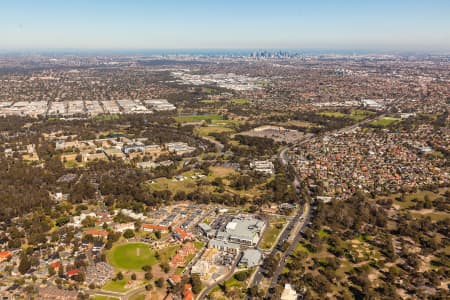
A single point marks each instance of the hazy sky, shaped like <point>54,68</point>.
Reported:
<point>158,24</point>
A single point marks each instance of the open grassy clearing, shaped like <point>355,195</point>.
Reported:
<point>198,118</point>
<point>410,199</point>
<point>221,171</point>
<point>205,131</point>
<point>386,121</point>
<point>71,164</point>
<point>198,245</point>
<point>298,123</point>
<point>226,123</point>
<point>133,256</point>
<point>323,234</point>
<point>332,114</point>
<point>188,185</point>
<point>434,215</point>
<point>232,282</point>
<point>239,101</point>
<point>138,297</point>
<point>116,286</point>
<point>101,297</point>
<point>271,233</point>
<point>356,114</point>
<point>359,114</point>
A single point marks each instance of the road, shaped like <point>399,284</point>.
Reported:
<point>299,222</point>
<point>295,239</point>
<point>291,231</point>
<point>204,293</point>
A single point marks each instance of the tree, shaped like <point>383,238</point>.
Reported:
<point>148,276</point>
<point>119,276</point>
<point>133,276</point>
<point>165,267</point>
<point>196,284</point>
<point>128,234</point>
<point>253,292</point>
<point>241,276</point>
<point>147,268</point>
<point>61,271</point>
<point>25,264</point>
<point>159,282</point>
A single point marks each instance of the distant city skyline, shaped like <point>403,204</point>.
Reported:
<point>119,25</point>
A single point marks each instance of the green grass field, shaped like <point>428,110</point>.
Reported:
<point>323,234</point>
<point>188,185</point>
<point>198,118</point>
<point>209,101</point>
<point>116,286</point>
<point>301,248</point>
<point>386,121</point>
<point>101,297</point>
<point>232,282</point>
<point>271,233</point>
<point>359,114</point>
<point>239,101</point>
<point>356,114</point>
<point>199,245</point>
<point>332,114</point>
<point>71,164</point>
<point>132,256</point>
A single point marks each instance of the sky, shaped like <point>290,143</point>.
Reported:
<point>225,24</point>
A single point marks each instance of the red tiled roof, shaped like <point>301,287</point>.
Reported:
<point>97,232</point>
<point>177,260</point>
<point>73,272</point>
<point>155,227</point>
<point>56,265</point>
<point>187,293</point>
<point>175,278</point>
<point>5,255</point>
<point>183,234</point>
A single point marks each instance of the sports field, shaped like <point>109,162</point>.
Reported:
<point>131,256</point>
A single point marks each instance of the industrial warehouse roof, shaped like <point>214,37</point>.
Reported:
<point>244,228</point>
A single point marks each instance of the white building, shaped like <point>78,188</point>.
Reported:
<point>263,166</point>
<point>289,293</point>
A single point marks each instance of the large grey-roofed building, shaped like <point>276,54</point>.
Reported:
<point>245,231</point>
<point>251,258</point>
<point>223,246</point>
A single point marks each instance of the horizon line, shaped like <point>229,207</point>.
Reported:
<point>228,49</point>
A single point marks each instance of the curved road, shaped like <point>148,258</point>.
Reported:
<point>224,278</point>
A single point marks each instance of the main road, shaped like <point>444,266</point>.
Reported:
<point>293,231</point>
